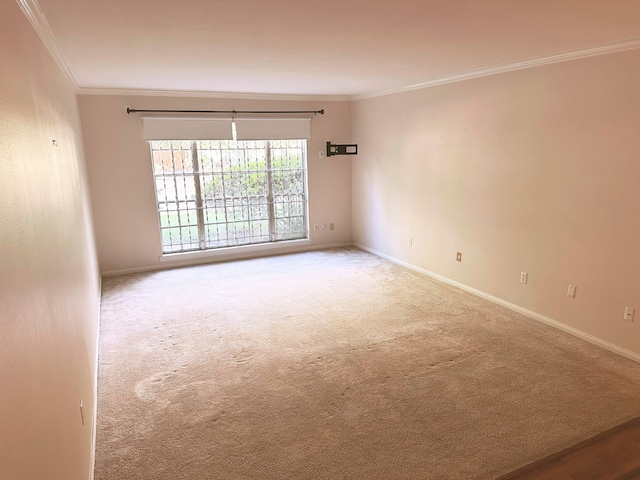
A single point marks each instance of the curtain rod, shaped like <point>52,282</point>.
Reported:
<point>233,112</point>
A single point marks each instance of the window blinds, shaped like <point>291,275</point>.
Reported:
<point>273,128</point>
<point>159,128</point>
<point>179,128</point>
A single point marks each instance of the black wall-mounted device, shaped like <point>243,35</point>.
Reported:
<point>345,149</point>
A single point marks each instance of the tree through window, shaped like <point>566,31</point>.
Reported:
<point>221,193</point>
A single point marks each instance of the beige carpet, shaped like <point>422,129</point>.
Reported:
<point>336,365</point>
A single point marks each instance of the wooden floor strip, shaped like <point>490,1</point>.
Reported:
<point>610,455</point>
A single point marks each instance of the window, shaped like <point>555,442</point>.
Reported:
<point>221,193</point>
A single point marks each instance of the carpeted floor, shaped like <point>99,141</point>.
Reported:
<point>336,365</point>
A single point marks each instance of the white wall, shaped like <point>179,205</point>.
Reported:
<point>532,171</point>
<point>121,182</point>
<point>49,284</point>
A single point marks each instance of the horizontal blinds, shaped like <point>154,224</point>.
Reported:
<point>159,128</point>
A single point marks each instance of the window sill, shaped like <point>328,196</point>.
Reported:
<point>232,253</point>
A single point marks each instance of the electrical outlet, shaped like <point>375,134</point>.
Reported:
<point>410,241</point>
<point>321,154</point>
<point>458,256</point>
<point>629,313</point>
<point>524,277</point>
<point>571,291</point>
<point>315,226</point>
<point>332,226</point>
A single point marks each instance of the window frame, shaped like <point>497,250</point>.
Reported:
<point>204,243</point>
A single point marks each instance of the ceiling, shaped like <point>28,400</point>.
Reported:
<point>325,47</point>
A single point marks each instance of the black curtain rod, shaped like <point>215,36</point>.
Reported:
<point>232,112</point>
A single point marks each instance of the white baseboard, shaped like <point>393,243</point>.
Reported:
<point>94,413</point>
<point>511,306</point>
<point>234,253</point>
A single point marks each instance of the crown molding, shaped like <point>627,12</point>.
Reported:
<point>219,95</point>
<point>32,11</point>
<point>36,18</point>
<point>631,44</point>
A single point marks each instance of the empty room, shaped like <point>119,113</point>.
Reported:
<point>319,240</point>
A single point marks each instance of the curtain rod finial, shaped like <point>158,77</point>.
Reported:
<point>130,110</point>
